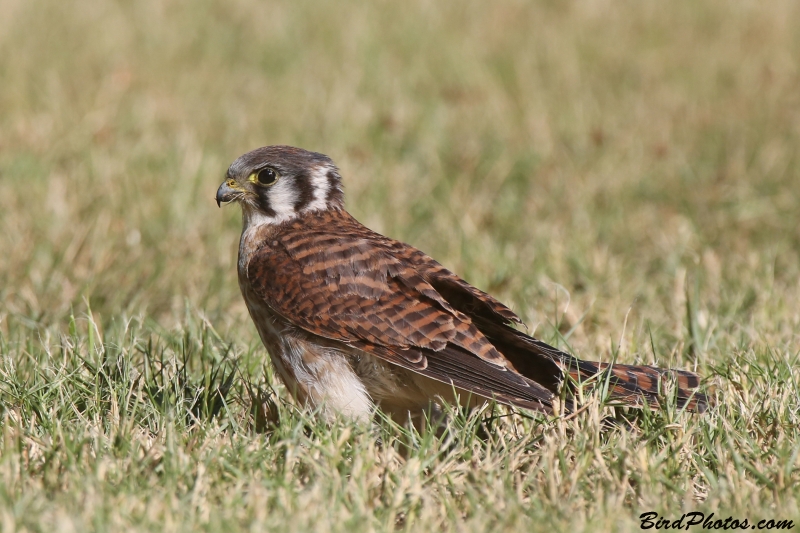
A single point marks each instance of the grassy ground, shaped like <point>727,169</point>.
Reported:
<point>625,176</point>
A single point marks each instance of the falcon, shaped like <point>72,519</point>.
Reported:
<point>353,320</point>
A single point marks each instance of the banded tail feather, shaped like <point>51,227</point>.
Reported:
<point>631,385</point>
<point>637,385</point>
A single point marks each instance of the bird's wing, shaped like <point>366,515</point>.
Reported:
<point>334,278</point>
<point>547,365</point>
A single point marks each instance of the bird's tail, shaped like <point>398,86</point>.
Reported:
<point>636,385</point>
<point>631,385</point>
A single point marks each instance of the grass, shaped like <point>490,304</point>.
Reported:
<point>626,177</point>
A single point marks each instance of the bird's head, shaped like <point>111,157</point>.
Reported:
<point>274,184</point>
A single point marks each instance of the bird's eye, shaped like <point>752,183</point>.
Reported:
<point>267,176</point>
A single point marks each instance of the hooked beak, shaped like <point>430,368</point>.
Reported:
<point>226,192</point>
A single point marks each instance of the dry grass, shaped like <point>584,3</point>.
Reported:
<point>626,176</point>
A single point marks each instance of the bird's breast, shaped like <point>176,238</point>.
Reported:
<point>254,238</point>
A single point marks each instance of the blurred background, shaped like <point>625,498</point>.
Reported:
<point>601,167</point>
<point>624,175</point>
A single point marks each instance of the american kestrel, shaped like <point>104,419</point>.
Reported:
<point>353,320</point>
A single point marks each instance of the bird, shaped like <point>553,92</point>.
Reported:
<point>354,321</point>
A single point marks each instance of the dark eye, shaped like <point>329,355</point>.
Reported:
<point>267,176</point>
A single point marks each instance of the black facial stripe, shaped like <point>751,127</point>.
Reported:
<point>334,193</point>
<point>263,202</point>
<point>305,191</point>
